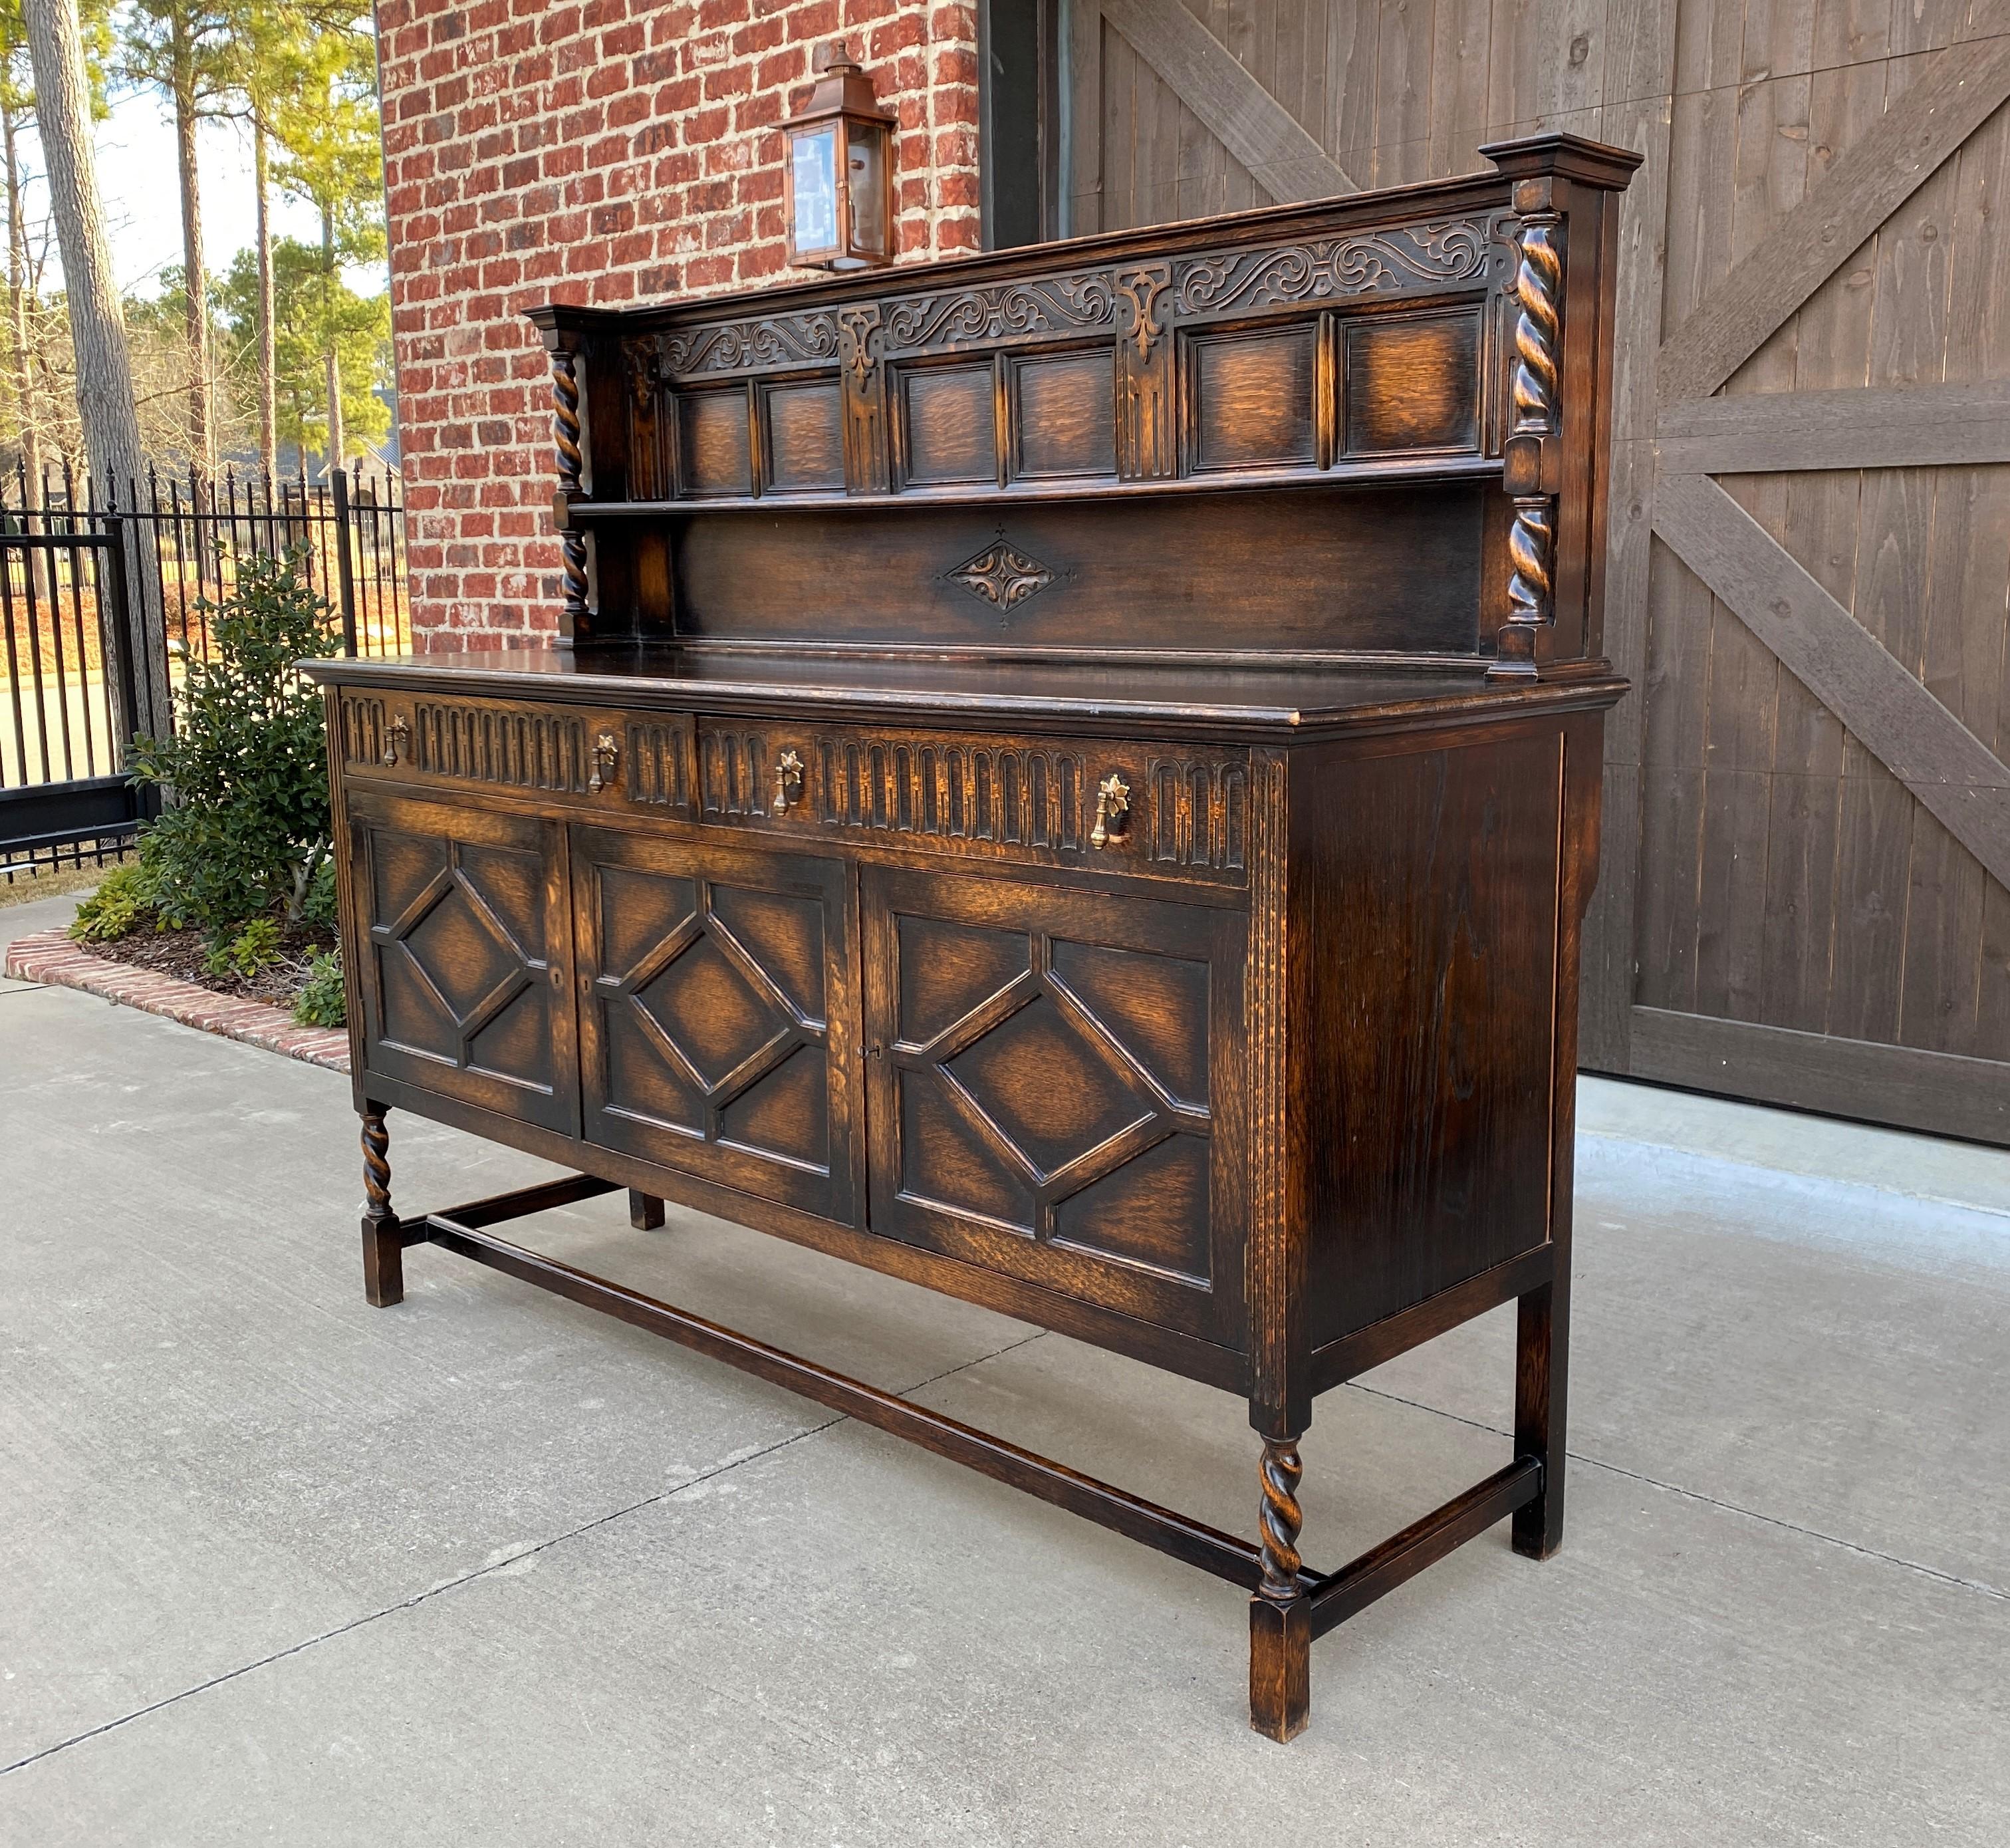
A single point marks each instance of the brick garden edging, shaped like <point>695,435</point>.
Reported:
<point>50,957</point>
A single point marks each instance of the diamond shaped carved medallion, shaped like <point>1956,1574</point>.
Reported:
<point>1002,575</point>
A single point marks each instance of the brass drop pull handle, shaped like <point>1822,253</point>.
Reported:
<point>397,737</point>
<point>606,761</point>
<point>788,782</point>
<point>1113,811</point>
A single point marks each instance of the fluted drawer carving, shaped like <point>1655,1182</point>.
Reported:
<point>1200,812</point>
<point>510,748</point>
<point>656,773</point>
<point>360,716</point>
<point>977,794</point>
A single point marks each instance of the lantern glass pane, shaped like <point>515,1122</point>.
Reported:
<point>866,164</point>
<point>815,179</point>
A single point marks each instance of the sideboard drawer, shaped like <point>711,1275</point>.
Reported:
<point>569,753</point>
<point>1164,811</point>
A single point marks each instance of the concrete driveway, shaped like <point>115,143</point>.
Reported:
<point>486,1568</point>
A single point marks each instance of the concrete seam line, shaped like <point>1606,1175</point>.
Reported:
<point>482,1572</point>
<point>1654,1482</point>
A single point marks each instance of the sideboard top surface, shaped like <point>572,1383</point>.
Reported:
<point>1166,698</point>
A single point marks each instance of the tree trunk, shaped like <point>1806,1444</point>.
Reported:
<point>97,337</point>
<point>195,289</point>
<point>337,436</point>
<point>41,566</point>
<point>269,407</point>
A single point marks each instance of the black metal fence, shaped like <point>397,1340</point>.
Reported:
<point>105,598</point>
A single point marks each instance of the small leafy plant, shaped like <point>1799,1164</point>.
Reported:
<point>321,1002</point>
<point>252,950</point>
<point>246,830</point>
<point>124,903</point>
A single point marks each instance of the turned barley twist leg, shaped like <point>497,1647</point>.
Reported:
<point>1280,1634</point>
<point>383,1250</point>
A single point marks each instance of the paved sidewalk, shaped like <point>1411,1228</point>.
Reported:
<point>488,1569</point>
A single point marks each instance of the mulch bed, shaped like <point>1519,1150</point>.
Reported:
<point>185,955</point>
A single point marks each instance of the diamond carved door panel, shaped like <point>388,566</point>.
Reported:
<point>1046,1094</point>
<point>466,955</point>
<point>716,1030</point>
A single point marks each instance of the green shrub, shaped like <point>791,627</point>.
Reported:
<point>124,903</point>
<point>319,907</point>
<point>245,829</point>
<point>321,1002</point>
<point>257,946</point>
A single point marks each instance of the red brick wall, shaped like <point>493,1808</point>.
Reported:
<point>617,152</point>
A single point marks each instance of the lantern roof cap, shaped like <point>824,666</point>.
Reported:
<point>843,86</point>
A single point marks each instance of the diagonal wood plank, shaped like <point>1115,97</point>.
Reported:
<point>1924,745</point>
<point>1924,426</point>
<point>1878,172</point>
<point>1238,111</point>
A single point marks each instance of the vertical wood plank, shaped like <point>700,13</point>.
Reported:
<point>1403,92</point>
<point>1352,40</point>
<point>1082,185</point>
<point>1639,75</point>
<point>1702,143</point>
<point>1908,342</point>
<point>1832,339</point>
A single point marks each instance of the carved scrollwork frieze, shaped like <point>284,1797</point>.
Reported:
<point>1404,259</point>
<point>749,345</point>
<point>1138,302</point>
<point>1085,301</point>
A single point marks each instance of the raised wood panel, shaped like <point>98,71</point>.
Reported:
<point>1436,894</point>
<point>714,444</point>
<point>948,424</point>
<point>1410,383</point>
<point>714,988</point>
<point>1335,569</point>
<point>466,981</point>
<point>1043,1088</point>
<point>804,437</point>
<point>1250,398</point>
<point>1064,416</point>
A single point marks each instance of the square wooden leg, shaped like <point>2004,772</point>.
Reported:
<point>1280,1667</point>
<point>383,1250</point>
<point>645,1211</point>
<point>1541,1361</point>
<point>1280,1617</point>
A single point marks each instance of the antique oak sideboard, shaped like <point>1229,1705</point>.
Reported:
<point>1069,775</point>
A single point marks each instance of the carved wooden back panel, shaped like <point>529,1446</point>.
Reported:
<point>1052,1089</point>
<point>1407,367</point>
<point>715,1030</point>
<point>466,963</point>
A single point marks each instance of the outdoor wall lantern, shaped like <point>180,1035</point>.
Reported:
<point>840,175</point>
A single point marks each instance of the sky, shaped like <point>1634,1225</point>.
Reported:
<point>135,178</point>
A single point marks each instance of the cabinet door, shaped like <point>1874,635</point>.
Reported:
<point>463,927</point>
<point>716,1013</point>
<point>1046,1092</point>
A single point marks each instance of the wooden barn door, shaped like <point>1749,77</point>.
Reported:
<point>1806,892</point>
